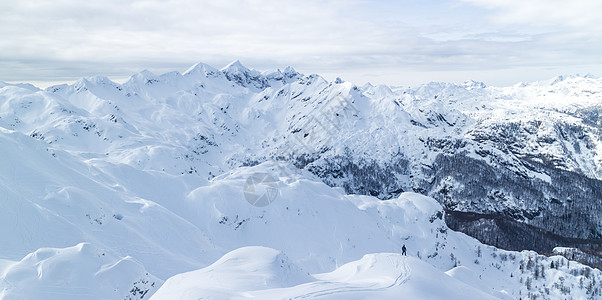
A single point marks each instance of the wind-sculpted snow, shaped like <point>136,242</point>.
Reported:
<point>79,272</point>
<point>375,276</point>
<point>164,174</point>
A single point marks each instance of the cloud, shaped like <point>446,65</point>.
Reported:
<point>559,32</point>
<point>67,39</point>
<point>112,31</point>
<point>577,14</point>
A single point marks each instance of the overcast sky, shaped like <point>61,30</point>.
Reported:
<point>500,42</point>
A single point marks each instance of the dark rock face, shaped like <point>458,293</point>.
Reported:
<point>507,233</point>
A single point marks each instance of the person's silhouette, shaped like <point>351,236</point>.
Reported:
<point>403,250</point>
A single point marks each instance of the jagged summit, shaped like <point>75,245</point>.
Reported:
<point>472,84</point>
<point>144,76</point>
<point>201,69</point>
<point>590,76</point>
<point>236,65</point>
<point>290,70</point>
<point>97,79</point>
<point>241,75</point>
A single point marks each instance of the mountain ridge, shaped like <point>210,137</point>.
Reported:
<point>497,133</point>
<point>113,164</point>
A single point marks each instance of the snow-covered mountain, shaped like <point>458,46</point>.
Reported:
<point>117,191</point>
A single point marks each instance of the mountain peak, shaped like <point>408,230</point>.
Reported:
<point>590,75</point>
<point>235,65</point>
<point>244,76</point>
<point>146,74</point>
<point>290,70</point>
<point>201,68</point>
<point>144,77</point>
<point>472,84</point>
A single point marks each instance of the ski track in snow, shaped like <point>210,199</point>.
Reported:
<point>401,279</point>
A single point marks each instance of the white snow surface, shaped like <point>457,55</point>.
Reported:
<point>250,272</point>
<point>136,191</point>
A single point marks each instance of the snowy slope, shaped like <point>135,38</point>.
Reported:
<point>375,276</point>
<point>317,229</point>
<point>108,190</point>
<point>81,271</point>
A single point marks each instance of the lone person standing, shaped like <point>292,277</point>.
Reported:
<point>403,250</point>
